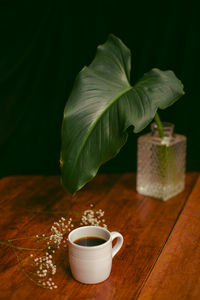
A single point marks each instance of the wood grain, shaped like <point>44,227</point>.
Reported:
<point>30,204</point>
<point>176,273</point>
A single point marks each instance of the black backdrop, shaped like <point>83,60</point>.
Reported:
<point>44,44</point>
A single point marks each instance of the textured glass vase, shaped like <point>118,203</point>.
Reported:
<point>161,163</point>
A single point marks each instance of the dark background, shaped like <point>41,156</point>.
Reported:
<point>44,44</point>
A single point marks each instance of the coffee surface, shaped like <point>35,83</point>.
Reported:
<point>90,241</point>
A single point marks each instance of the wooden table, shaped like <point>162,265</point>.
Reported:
<point>160,258</point>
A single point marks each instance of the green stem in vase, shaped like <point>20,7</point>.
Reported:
<point>166,154</point>
<point>159,124</point>
<point>162,150</point>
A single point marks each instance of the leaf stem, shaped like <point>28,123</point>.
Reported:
<point>159,124</point>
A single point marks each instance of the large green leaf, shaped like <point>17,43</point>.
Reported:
<point>101,107</point>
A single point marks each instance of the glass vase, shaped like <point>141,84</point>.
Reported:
<point>161,163</point>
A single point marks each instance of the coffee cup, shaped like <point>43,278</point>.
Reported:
<point>91,253</point>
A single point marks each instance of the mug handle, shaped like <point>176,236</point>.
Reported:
<point>114,235</point>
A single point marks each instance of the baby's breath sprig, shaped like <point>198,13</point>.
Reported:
<point>44,265</point>
<point>91,217</point>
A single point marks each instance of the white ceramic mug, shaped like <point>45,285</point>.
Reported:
<point>92,264</point>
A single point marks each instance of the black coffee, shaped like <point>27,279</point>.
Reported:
<point>90,241</point>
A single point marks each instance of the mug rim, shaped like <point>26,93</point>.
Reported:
<point>89,247</point>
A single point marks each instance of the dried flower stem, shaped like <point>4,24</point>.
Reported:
<point>23,270</point>
<point>9,244</point>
